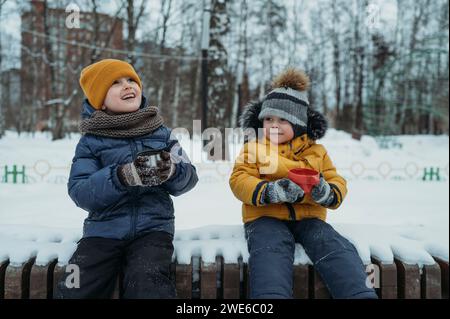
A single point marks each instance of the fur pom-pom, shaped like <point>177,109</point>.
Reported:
<point>292,78</point>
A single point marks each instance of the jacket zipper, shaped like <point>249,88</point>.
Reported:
<point>291,211</point>
<point>134,215</point>
<point>289,205</point>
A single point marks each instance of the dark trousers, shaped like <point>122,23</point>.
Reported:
<point>271,243</point>
<point>145,263</point>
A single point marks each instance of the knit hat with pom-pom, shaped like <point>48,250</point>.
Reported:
<point>288,99</point>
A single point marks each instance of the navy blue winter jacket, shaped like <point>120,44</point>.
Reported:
<point>118,211</point>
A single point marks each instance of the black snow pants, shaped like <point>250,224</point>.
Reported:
<point>144,263</point>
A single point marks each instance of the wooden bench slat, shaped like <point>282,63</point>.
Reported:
<point>41,281</point>
<point>58,275</point>
<point>3,266</point>
<point>408,280</point>
<point>231,281</point>
<point>444,277</point>
<point>208,280</point>
<point>318,290</point>
<point>388,280</point>
<point>431,282</point>
<point>17,281</point>
<point>183,279</point>
<point>301,282</point>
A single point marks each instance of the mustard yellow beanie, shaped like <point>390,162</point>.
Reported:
<point>97,78</point>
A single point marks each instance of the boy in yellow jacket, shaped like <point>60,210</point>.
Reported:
<point>276,211</point>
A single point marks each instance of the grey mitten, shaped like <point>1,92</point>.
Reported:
<point>282,191</point>
<point>322,193</point>
<point>147,170</point>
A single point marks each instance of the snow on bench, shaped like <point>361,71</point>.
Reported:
<point>408,263</point>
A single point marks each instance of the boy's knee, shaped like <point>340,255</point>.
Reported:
<point>149,282</point>
<point>269,235</point>
<point>319,232</point>
<point>313,225</point>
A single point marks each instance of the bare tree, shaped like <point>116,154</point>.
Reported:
<point>359,56</point>
<point>241,63</point>
<point>133,20</point>
<point>2,119</point>
<point>166,10</point>
<point>58,108</point>
<point>336,58</point>
<point>391,81</point>
<point>99,45</point>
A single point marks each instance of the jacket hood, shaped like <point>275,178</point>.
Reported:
<point>88,109</point>
<point>317,124</point>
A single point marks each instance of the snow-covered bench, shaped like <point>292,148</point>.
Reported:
<point>211,262</point>
<point>220,280</point>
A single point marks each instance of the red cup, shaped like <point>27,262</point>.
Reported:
<point>305,178</point>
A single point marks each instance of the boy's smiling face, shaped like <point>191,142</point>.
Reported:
<point>277,130</point>
<point>124,96</point>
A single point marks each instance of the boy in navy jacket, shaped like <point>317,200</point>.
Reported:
<point>126,191</point>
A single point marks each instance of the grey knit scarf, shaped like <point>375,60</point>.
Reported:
<point>141,122</point>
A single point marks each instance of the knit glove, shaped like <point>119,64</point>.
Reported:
<point>165,167</point>
<point>147,170</point>
<point>282,191</point>
<point>322,193</point>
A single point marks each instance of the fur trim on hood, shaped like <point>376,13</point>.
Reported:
<point>317,124</point>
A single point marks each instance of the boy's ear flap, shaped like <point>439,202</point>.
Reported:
<point>317,125</point>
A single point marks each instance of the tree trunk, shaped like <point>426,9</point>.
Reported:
<point>176,99</point>
<point>336,64</point>
<point>133,22</point>
<point>57,124</point>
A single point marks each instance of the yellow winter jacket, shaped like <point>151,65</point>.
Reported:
<point>260,162</point>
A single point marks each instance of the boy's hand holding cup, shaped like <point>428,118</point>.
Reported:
<point>282,191</point>
<point>314,184</point>
<point>322,193</point>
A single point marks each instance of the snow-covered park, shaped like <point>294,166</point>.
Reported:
<point>397,205</point>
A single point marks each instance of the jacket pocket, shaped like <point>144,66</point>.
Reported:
<point>153,145</point>
<point>157,202</point>
<point>113,212</point>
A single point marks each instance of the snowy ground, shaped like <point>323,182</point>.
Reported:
<point>389,211</point>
